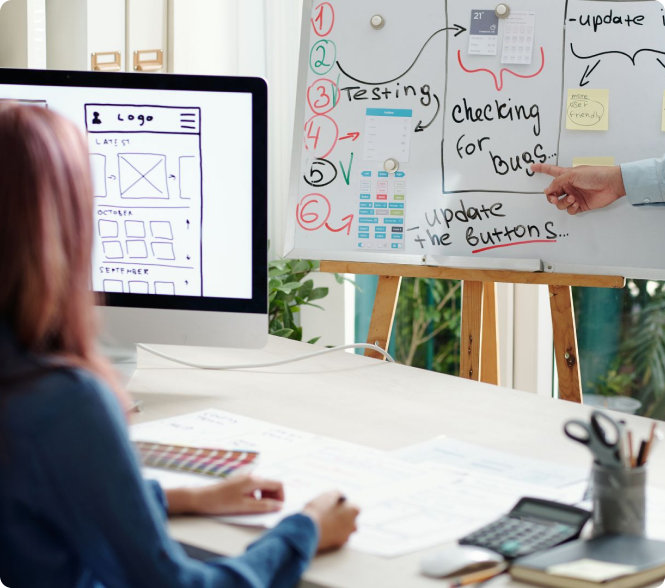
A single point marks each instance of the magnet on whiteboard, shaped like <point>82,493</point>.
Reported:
<point>502,11</point>
<point>391,165</point>
<point>377,22</point>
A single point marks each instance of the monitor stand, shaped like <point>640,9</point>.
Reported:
<point>123,357</point>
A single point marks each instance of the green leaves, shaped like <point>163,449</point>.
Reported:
<point>289,290</point>
<point>318,293</point>
<point>427,324</point>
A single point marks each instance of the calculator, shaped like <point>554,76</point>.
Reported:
<point>533,525</point>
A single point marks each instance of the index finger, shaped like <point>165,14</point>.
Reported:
<point>546,168</point>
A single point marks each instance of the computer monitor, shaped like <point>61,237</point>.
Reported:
<point>179,166</point>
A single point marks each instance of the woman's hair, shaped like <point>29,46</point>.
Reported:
<point>46,236</point>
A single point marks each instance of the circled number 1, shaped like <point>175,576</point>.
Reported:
<point>324,19</point>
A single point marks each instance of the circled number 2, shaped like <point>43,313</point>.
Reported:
<point>323,56</point>
<point>324,19</point>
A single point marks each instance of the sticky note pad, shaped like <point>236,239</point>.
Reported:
<point>592,570</point>
<point>602,161</point>
<point>588,110</point>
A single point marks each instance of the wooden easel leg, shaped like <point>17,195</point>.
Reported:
<point>472,328</point>
<point>383,315</point>
<point>489,364</point>
<point>565,343</point>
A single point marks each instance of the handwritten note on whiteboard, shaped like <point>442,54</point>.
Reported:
<point>588,110</point>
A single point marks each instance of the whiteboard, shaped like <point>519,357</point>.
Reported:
<point>463,127</point>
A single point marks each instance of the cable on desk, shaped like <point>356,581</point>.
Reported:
<point>269,364</point>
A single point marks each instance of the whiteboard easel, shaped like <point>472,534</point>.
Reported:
<point>479,350</point>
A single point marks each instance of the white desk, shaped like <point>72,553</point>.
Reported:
<point>362,401</point>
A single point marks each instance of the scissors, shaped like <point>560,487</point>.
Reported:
<point>602,435</point>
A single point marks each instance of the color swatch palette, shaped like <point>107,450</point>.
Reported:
<point>215,463</point>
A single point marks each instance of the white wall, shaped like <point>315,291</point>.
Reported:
<point>23,34</point>
<point>335,325</point>
<point>533,346</point>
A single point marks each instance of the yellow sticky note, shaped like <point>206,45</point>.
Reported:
<point>602,161</point>
<point>663,113</point>
<point>588,110</point>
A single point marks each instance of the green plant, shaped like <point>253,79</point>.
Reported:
<point>615,383</point>
<point>644,347</point>
<point>289,290</point>
<point>428,322</point>
<point>638,369</point>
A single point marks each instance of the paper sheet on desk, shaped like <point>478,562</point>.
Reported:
<point>406,506</point>
<point>473,458</point>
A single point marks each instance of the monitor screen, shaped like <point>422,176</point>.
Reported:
<point>179,173</point>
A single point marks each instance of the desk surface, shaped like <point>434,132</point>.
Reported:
<point>349,397</point>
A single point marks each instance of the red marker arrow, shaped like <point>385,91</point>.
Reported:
<point>353,136</point>
<point>347,226</point>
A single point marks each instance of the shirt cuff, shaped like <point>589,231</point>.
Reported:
<point>644,181</point>
<point>300,533</point>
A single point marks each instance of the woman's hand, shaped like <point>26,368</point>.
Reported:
<point>335,518</point>
<point>582,188</point>
<point>239,495</point>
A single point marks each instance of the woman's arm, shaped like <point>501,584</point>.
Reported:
<point>239,495</point>
<point>97,499</point>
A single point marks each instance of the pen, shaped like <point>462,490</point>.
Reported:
<point>135,407</point>
<point>478,577</point>
<point>631,457</point>
<point>652,436</point>
<point>657,438</point>
<point>641,456</point>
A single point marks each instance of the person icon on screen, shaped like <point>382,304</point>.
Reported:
<point>95,119</point>
<point>586,188</point>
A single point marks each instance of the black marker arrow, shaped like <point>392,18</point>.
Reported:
<point>458,28</point>
<point>661,63</point>
<point>589,70</point>
<point>420,127</point>
<point>632,57</point>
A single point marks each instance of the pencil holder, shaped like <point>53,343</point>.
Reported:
<point>619,501</point>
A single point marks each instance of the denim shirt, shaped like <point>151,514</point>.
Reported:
<point>74,509</point>
<point>645,181</point>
